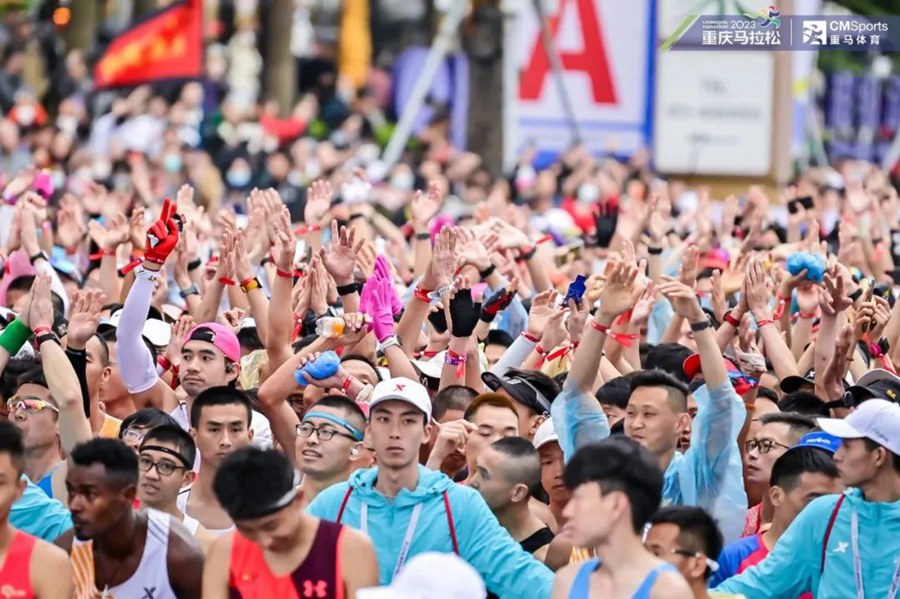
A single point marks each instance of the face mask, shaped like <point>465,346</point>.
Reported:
<point>313,170</point>
<point>238,178</point>
<point>295,178</point>
<point>172,163</point>
<point>403,181</point>
<point>25,114</point>
<point>67,123</point>
<point>588,193</point>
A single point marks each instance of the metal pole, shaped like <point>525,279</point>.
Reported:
<point>438,51</point>
<point>510,86</point>
<point>556,66</point>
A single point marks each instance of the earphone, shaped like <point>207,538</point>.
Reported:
<point>354,451</point>
<point>229,368</point>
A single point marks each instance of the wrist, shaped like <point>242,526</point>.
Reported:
<point>604,318</point>
<point>155,267</point>
<point>343,282</point>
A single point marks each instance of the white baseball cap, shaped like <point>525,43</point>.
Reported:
<point>545,433</point>
<point>875,419</point>
<point>433,366</point>
<point>155,330</point>
<point>402,389</point>
<point>431,576</point>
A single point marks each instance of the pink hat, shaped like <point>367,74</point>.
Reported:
<point>220,336</point>
<point>17,266</point>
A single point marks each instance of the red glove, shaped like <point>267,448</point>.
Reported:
<point>162,236</point>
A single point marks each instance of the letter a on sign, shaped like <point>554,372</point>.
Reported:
<point>591,59</point>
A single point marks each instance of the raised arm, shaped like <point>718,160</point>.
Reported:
<point>83,320</point>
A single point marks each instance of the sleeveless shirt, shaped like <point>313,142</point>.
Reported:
<point>581,585</point>
<point>319,575</point>
<point>149,581</point>
<point>15,572</point>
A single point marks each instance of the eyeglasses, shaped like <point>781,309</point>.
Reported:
<point>711,564</point>
<point>764,446</point>
<point>306,430</point>
<point>32,405</point>
<point>134,434</point>
<point>163,467</point>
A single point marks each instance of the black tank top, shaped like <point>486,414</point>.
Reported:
<point>537,540</point>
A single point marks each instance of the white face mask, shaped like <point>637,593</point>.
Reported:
<point>403,181</point>
<point>25,114</point>
<point>588,193</point>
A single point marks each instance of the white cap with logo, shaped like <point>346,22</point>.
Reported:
<point>545,434</point>
<point>875,419</point>
<point>402,389</point>
<point>431,576</point>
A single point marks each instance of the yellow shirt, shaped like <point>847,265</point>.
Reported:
<point>110,427</point>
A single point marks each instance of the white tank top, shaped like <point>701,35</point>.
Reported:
<point>151,579</point>
<point>191,524</point>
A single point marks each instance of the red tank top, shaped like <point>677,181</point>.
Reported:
<point>15,574</point>
<point>319,576</point>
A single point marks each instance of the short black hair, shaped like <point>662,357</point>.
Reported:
<point>788,468</point>
<point>146,418</point>
<point>104,349</point>
<point>698,531</point>
<point>803,402</point>
<point>676,389</point>
<point>120,462</point>
<point>528,470</point>
<point>11,444</point>
<point>34,376</point>
<point>248,338</point>
<point>22,283</point>
<point>668,357</point>
<point>250,480</point>
<point>14,369</point>
<point>362,358</point>
<point>219,396</point>
<point>452,397</point>
<point>766,393</point>
<point>873,445</point>
<point>620,464</point>
<point>355,415</point>
<point>498,337</point>
<point>615,392</point>
<point>798,424</point>
<point>177,436</point>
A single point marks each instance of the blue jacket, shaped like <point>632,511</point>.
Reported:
<point>39,515</point>
<point>507,569</point>
<point>794,564</point>
<point>708,475</point>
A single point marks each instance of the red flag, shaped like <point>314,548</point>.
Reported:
<point>167,45</point>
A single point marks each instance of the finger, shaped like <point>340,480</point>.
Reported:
<point>166,210</point>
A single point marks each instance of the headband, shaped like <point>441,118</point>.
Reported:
<point>279,504</point>
<point>335,420</point>
<point>171,452</point>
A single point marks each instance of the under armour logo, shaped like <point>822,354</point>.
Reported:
<point>841,548</point>
<point>318,590</point>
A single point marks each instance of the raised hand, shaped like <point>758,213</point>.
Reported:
<point>807,298</point>
<point>832,382</point>
<point>342,254</point>
<point>835,297</point>
<point>162,236</point>
<point>179,331</point>
<point>463,312</point>
<point>471,250</point>
<point>242,268</point>
<point>425,205</point>
<point>688,272</point>
<point>505,236</point>
<point>40,312</point>
<point>226,256</point>
<point>756,290</point>
<point>383,272</point>
<point>444,258</point>
<point>84,317</point>
<point>719,303</point>
<point>136,227</point>
<point>365,260</point>
<point>643,307</point>
<point>232,318</point>
<point>578,315</point>
<point>499,301</point>
<point>318,201</point>
<point>880,317</point>
<point>116,232</point>
<point>21,182</point>
<point>300,298</point>
<point>356,326</point>
<point>318,281</point>
<point>285,247</point>
<point>541,310</point>
<point>555,333</point>
<point>621,290</point>
<point>683,299</point>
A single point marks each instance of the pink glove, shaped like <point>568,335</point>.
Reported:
<point>381,313</point>
<point>383,270</point>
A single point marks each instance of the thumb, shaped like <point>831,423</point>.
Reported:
<point>469,426</point>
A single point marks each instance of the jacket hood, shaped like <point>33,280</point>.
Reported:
<point>430,484</point>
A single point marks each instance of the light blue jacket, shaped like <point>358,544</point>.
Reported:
<point>508,570</point>
<point>708,475</point>
<point>794,565</point>
<point>39,515</point>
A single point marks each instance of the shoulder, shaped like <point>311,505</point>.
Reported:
<point>64,541</point>
<point>818,512</point>
<point>48,554</point>
<point>327,503</point>
<point>184,550</point>
<point>562,583</point>
<point>45,558</point>
<point>740,548</point>
<point>671,585</point>
<point>353,543</point>
<point>220,550</point>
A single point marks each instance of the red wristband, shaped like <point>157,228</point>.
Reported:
<point>807,315</point>
<point>164,363</point>
<point>423,294</point>
<point>531,337</point>
<point>307,229</point>
<point>347,382</point>
<point>283,274</point>
<point>732,319</point>
<point>226,281</point>
<point>600,327</point>
<point>246,282</point>
<point>38,331</point>
<point>540,350</point>
<point>761,323</point>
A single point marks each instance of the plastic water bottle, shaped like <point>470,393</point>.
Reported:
<point>330,326</point>
<point>325,366</point>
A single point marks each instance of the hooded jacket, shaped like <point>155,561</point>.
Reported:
<point>794,564</point>
<point>508,571</point>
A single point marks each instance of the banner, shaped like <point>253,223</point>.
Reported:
<point>165,45</point>
<point>607,49</point>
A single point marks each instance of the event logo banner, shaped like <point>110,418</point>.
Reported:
<point>166,45</point>
<point>768,29</point>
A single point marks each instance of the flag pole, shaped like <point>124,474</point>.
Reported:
<point>556,66</point>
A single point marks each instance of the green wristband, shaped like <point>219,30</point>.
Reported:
<point>14,336</point>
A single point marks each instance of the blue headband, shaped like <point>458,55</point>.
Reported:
<point>336,420</point>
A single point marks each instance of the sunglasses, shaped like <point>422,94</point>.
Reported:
<point>32,405</point>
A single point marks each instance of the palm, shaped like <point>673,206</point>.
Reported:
<point>538,318</point>
<point>82,327</point>
<point>318,201</point>
<point>339,261</point>
<point>425,206</point>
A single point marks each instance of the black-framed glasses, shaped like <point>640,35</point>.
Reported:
<point>163,467</point>
<point>324,433</point>
<point>764,446</point>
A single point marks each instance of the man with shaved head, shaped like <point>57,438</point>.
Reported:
<point>507,473</point>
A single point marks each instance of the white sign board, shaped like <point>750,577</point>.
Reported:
<point>714,113</point>
<point>607,49</point>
